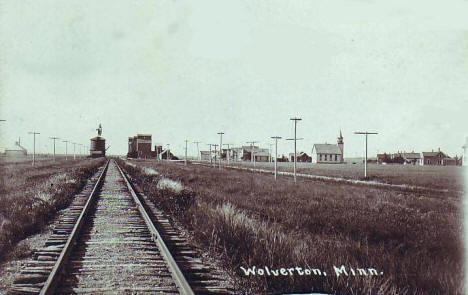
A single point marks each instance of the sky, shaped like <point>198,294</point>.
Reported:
<point>189,69</point>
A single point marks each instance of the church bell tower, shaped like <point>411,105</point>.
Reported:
<point>341,146</point>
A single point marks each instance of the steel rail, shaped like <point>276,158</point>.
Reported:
<point>52,280</point>
<point>179,278</point>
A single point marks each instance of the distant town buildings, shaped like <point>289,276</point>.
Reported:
<point>139,146</point>
<point>329,153</point>
<point>432,158</point>
<point>301,157</point>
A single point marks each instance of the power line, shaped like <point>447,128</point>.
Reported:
<point>252,158</point>
<point>54,138</point>
<point>34,145</point>
<point>220,146</point>
<point>276,154</point>
<point>186,142</point>
<point>366,133</point>
<point>66,148</point>
<point>295,119</point>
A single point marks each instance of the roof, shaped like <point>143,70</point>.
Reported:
<point>432,154</point>
<point>411,155</point>
<point>97,138</point>
<point>326,148</point>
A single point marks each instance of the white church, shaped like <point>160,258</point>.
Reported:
<point>329,153</point>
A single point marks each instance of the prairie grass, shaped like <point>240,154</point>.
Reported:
<point>248,219</point>
<point>435,177</point>
<point>30,196</point>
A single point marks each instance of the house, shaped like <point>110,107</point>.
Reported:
<point>411,158</point>
<point>437,158</point>
<point>399,158</point>
<point>329,153</point>
<point>301,157</point>
<point>244,153</point>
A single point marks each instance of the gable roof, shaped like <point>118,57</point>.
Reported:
<point>433,154</point>
<point>411,155</point>
<point>326,148</point>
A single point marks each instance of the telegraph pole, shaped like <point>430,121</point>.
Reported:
<point>210,151</point>
<point>34,145</point>
<point>66,149</point>
<point>252,158</point>
<point>215,152</point>
<point>220,146</point>
<point>295,119</point>
<point>366,133</point>
<point>198,150</point>
<point>74,150</point>
<point>276,154</point>
<point>465,147</point>
<point>54,138</point>
<point>186,141</point>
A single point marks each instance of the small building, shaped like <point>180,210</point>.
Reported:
<point>205,155</point>
<point>411,158</point>
<point>437,158</point>
<point>167,155</point>
<point>329,153</point>
<point>301,157</point>
<point>244,153</point>
<point>17,151</point>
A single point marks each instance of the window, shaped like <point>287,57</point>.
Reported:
<point>326,157</point>
<point>320,157</point>
<point>336,157</point>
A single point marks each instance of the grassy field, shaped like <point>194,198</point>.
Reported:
<point>436,177</point>
<point>412,240</point>
<point>30,196</point>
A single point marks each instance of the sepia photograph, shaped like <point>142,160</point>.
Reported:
<point>233,147</point>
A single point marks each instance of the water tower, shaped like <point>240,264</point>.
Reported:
<point>98,145</point>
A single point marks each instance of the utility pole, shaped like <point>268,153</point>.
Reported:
<point>295,119</point>
<point>210,151</point>
<point>66,149</point>
<point>220,147</point>
<point>54,138</point>
<point>198,150</point>
<point>465,147</point>
<point>74,150</point>
<point>228,152</point>
<point>366,133</point>
<point>34,145</point>
<point>276,154</point>
<point>186,141</point>
<point>252,158</point>
<point>215,152</point>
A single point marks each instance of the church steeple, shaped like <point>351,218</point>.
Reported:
<point>340,139</point>
<point>341,146</point>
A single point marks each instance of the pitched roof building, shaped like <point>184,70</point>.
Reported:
<point>329,153</point>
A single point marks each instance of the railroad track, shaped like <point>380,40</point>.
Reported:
<point>113,240</point>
